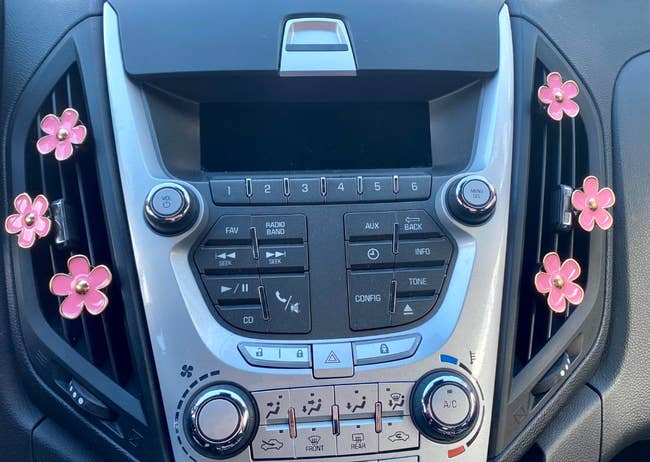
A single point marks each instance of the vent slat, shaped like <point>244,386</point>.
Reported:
<point>102,339</point>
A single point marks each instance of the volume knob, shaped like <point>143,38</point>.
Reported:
<point>472,199</point>
<point>221,421</point>
<point>170,208</point>
<point>445,406</point>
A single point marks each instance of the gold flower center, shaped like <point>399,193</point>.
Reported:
<point>62,134</point>
<point>30,219</point>
<point>592,204</point>
<point>559,97</point>
<point>82,287</point>
<point>558,281</point>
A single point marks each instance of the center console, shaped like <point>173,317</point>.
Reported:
<point>320,241</point>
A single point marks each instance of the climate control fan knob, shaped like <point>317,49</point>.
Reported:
<point>221,421</point>
<point>444,406</point>
<point>472,199</point>
<point>170,208</point>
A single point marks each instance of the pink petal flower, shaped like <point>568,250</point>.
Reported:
<point>72,306</point>
<point>30,221</point>
<point>556,282</point>
<point>558,97</point>
<point>62,134</point>
<point>591,203</point>
<point>82,286</point>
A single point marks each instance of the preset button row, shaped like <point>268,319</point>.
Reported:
<point>320,190</point>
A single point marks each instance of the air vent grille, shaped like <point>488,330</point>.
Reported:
<point>102,340</point>
<point>558,156</point>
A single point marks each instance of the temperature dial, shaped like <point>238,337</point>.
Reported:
<point>221,421</point>
<point>444,406</point>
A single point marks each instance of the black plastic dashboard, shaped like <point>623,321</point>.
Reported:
<point>312,264</point>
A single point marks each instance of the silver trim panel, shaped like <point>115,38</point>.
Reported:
<point>183,330</point>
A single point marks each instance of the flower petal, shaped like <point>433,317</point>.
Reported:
<point>570,270</point>
<point>42,226</point>
<point>23,203</point>
<point>40,205</point>
<point>545,94</point>
<point>543,282</point>
<point>579,200</point>
<point>69,118</point>
<point>570,89</point>
<point>604,219</point>
<point>552,263</point>
<point>573,293</point>
<point>555,300</point>
<point>555,111</point>
<point>50,124</point>
<point>72,306</point>
<point>605,198</point>
<point>96,302</point>
<point>586,220</point>
<point>63,150</point>
<point>554,81</point>
<point>61,284</point>
<point>570,108</point>
<point>590,186</point>
<point>78,134</point>
<point>47,144</point>
<point>14,223</point>
<point>100,277</point>
<point>78,265</point>
<point>26,238</point>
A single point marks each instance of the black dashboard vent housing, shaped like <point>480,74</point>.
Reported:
<point>558,161</point>
<point>80,228</point>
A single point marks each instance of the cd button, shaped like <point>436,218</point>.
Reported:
<point>248,318</point>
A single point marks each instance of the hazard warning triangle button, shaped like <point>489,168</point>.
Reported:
<point>332,360</point>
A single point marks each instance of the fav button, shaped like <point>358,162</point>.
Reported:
<point>332,360</point>
<point>230,229</point>
<point>384,350</point>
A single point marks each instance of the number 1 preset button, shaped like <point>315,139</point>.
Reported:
<point>229,192</point>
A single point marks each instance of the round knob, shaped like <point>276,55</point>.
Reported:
<point>170,208</point>
<point>444,406</point>
<point>472,199</point>
<point>221,421</point>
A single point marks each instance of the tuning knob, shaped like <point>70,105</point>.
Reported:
<point>472,199</point>
<point>170,208</point>
<point>444,406</point>
<point>221,421</point>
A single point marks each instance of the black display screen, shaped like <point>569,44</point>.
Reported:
<point>240,137</point>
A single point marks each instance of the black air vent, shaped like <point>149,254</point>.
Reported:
<point>558,156</point>
<point>102,339</point>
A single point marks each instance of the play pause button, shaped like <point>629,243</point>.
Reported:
<point>233,290</point>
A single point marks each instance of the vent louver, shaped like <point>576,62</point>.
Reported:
<point>558,157</point>
<point>102,340</point>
